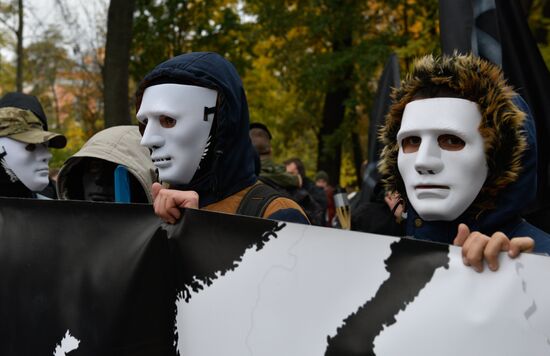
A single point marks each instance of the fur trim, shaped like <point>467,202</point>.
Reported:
<point>501,124</point>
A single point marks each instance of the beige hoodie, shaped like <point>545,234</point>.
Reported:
<point>119,145</point>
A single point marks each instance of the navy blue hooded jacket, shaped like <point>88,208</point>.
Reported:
<point>230,166</point>
<point>509,205</point>
<point>508,129</point>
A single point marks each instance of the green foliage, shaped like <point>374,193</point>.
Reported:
<point>7,76</point>
<point>76,137</point>
<point>539,22</point>
<point>164,29</point>
<point>281,110</point>
<point>310,52</point>
<point>8,11</point>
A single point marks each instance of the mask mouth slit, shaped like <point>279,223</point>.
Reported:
<point>431,186</point>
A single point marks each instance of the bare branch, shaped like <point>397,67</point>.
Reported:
<point>6,23</point>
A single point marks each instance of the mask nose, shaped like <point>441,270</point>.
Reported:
<point>43,154</point>
<point>151,139</point>
<point>428,158</point>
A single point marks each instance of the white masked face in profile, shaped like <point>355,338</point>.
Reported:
<point>26,162</point>
<point>441,156</point>
<point>177,127</point>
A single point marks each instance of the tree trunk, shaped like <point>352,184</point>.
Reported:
<point>357,157</point>
<point>329,157</point>
<point>19,35</point>
<point>526,6</point>
<point>117,57</point>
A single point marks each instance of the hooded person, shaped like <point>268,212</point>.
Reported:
<point>24,154</point>
<point>460,150</point>
<point>110,163</point>
<point>194,119</point>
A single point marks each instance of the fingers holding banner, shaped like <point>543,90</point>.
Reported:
<point>478,248</point>
<point>167,202</point>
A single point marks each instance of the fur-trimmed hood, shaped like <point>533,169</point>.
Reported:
<point>506,126</point>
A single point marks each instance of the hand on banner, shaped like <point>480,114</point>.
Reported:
<point>393,199</point>
<point>167,202</point>
<point>478,248</point>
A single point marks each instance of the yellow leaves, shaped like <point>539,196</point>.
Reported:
<point>416,29</point>
<point>75,139</point>
<point>76,136</point>
<point>348,177</point>
<point>297,31</point>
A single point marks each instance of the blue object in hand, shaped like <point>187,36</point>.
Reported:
<point>122,185</point>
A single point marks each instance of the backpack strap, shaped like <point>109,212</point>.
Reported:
<point>257,199</point>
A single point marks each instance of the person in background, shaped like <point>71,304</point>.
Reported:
<point>270,172</point>
<point>309,196</point>
<point>322,181</point>
<point>111,166</point>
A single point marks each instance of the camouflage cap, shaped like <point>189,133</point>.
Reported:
<point>24,126</point>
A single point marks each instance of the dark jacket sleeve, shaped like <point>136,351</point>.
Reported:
<point>375,218</point>
<point>542,239</point>
<point>289,215</point>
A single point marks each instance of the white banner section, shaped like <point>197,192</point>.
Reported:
<point>319,291</point>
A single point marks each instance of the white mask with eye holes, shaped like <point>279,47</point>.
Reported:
<point>178,120</point>
<point>441,156</point>
<point>26,162</point>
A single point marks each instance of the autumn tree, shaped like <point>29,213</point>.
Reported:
<point>310,67</point>
<point>9,11</point>
<point>46,59</point>
<point>330,54</point>
<point>7,70</point>
<point>167,28</point>
<point>539,22</point>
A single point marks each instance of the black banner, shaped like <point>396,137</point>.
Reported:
<point>109,274</point>
<point>83,278</point>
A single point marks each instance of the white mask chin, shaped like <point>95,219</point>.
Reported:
<point>441,156</point>
<point>176,146</point>
<point>30,167</point>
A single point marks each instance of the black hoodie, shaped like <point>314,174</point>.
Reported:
<point>229,167</point>
<point>231,162</point>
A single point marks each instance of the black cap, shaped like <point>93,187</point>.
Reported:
<point>27,102</point>
<point>257,125</point>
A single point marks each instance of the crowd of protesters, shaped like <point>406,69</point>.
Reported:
<point>457,164</point>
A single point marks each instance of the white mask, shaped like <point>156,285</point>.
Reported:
<point>441,156</point>
<point>30,166</point>
<point>177,128</point>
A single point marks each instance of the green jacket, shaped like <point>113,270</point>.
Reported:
<point>277,174</point>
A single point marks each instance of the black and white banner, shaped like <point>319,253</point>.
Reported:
<point>80,278</point>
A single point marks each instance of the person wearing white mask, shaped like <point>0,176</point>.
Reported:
<point>193,115</point>
<point>24,154</point>
<point>460,150</point>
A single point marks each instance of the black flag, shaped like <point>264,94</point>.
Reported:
<point>524,67</point>
<point>390,79</point>
<point>497,30</point>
